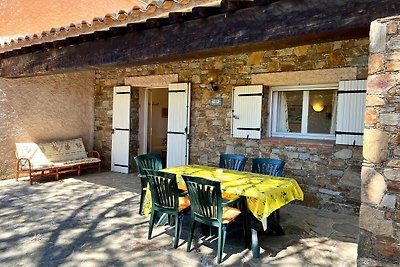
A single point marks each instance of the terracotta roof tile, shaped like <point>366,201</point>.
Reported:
<point>122,18</point>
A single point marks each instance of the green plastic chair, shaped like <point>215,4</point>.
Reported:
<point>151,161</point>
<point>232,162</point>
<point>207,207</point>
<point>165,198</point>
<point>273,167</point>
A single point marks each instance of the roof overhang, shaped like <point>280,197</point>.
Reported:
<point>205,31</point>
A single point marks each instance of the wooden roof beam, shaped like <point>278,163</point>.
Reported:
<point>264,2</point>
<point>233,5</point>
<point>178,17</point>
<point>204,12</point>
<point>136,27</point>
<point>101,35</point>
<point>118,31</point>
<point>249,29</point>
<point>157,22</point>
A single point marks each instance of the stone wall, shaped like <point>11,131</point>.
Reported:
<point>379,243</point>
<point>328,174</point>
<point>44,108</point>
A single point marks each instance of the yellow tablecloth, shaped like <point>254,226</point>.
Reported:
<point>264,193</point>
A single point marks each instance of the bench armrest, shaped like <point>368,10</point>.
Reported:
<point>21,162</point>
<point>93,153</point>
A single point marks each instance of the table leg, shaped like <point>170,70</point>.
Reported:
<point>255,247</point>
<point>245,220</point>
<point>163,220</point>
<point>250,220</point>
<point>273,227</point>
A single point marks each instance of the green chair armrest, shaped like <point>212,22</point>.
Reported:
<point>227,203</point>
<point>182,193</point>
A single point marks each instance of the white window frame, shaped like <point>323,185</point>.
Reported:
<point>304,120</point>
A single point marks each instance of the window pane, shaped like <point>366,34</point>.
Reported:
<point>321,118</point>
<point>289,111</point>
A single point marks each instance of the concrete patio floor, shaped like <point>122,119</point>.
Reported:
<point>93,220</point>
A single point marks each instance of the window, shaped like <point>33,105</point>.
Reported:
<point>307,111</point>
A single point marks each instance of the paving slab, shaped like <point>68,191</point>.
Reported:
<point>93,220</point>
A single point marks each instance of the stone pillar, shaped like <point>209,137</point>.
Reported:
<point>379,242</point>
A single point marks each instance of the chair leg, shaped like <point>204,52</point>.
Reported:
<point>170,221</point>
<point>192,224</point>
<point>152,216</point>
<point>180,222</point>
<point>223,239</point>
<point>221,234</point>
<point>177,230</point>
<point>142,197</point>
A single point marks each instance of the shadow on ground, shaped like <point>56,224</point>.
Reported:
<point>93,220</point>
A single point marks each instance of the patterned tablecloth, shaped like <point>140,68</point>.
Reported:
<point>264,193</point>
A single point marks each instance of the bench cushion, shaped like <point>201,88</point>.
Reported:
<point>76,162</point>
<point>37,166</point>
<point>62,151</point>
<point>32,152</point>
<point>51,165</point>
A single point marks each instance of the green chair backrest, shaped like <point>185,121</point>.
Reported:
<point>151,161</point>
<point>232,162</point>
<point>268,166</point>
<point>205,198</point>
<point>164,189</point>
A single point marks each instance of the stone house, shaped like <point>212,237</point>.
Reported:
<point>64,85</point>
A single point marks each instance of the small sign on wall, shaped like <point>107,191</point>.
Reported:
<point>216,101</point>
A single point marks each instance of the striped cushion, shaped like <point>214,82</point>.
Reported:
<point>184,202</point>
<point>229,214</point>
<point>76,162</point>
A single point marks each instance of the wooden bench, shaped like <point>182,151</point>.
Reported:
<point>54,158</point>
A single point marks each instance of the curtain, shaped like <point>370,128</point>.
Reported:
<point>334,114</point>
<point>282,124</point>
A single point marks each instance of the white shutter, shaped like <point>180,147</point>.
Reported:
<point>178,124</point>
<point>121,129</point>
<point>350,112</point>
<point>246,111</point>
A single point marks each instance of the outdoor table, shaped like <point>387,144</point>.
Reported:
<point>264,193</point>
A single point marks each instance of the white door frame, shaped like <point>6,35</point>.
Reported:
<point>146,115</point>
